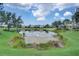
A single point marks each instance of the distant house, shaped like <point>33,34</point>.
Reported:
<point>3,25</point>
<point>76,25</point>
<point>69,26</point>
<point>61,26</point>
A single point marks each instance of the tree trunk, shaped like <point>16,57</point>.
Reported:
<point>8,27</point>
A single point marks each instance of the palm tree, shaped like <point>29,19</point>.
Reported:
<point>13,19</point>
<point>18,22</point>
<point>1,9</point>
<point>6,17</point>
<point>2,17</point>
<point>7,20</point>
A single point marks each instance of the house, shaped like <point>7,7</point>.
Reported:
<point>69,26</point>
<point>3,25</point>
<point>76,25</point>
<point>61,26</point>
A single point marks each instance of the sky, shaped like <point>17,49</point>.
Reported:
<point>41,13</point>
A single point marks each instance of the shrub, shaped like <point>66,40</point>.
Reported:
<point>17,42</point>
<point>11,30</point>
<point>43,46</point>
<point>29,46</point>
<point>62,39</point>
<point>5,30</point>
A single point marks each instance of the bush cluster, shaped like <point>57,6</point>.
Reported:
<point>17,42</point>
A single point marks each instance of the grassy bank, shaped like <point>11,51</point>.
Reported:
<point>72,47</point>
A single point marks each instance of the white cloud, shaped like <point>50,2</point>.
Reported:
<point>40,18</point>
<point>44,9</point>
<point>67,13</point>
<point>22,6</point>
<point>62,8</point>
<point>41,11</point>
<point>59,6</point>
<point>56,14</point>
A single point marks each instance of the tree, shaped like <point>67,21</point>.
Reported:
<point>75,17</point>
<point>18,22</point>
<point>36,26</point>
<point>6,17</point>
<point>56,24</point>
<point>47,26</point>
<point>1,9</point>
<point>65,22</point>
<point>29,26</point>
<point>8,20</point>
<point>1,6</point>
<point>2,17</point>
<point>13,19</point>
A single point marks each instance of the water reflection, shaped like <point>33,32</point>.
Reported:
<point>39,34</point>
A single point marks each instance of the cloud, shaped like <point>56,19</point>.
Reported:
<point>41,11</point>
<point>67,13</point>
<point>59,6</point>
<point>22,6</point>
<point>40,18</point>
<point>56,14</point>
<point>63,6</point>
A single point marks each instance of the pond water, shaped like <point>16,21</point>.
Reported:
<point>39,36</point>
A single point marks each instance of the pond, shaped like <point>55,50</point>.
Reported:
<point>39,36</point>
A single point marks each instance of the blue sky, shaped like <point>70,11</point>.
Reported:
<point>41,13</point>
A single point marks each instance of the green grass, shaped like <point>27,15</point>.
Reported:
<point>71,48</point>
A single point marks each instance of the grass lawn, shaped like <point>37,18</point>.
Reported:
<point>71,48</point>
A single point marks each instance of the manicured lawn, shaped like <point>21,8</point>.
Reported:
<point>71,48</point>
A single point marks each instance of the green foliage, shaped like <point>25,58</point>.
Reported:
<point>17,42</point>
<point>42,46</point>
<point>75,17</point>
<point>10,20</point>
<point>56,24</point>
<point>11,30</point>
